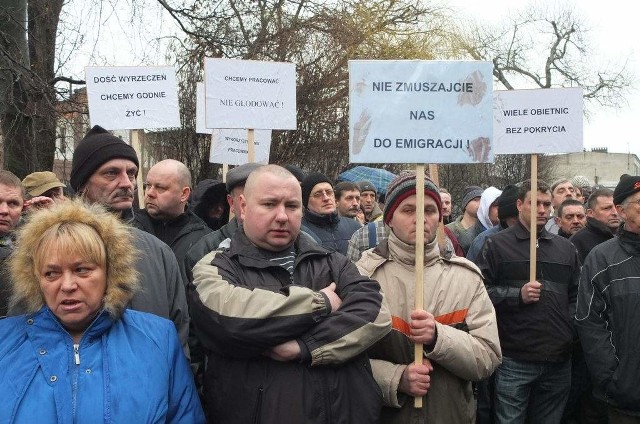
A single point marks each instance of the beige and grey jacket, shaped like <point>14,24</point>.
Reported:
<point>467,346</point>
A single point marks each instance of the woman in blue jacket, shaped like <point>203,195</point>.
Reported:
<point>79,356</point>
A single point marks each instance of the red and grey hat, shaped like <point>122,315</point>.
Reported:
<point>403,186</point>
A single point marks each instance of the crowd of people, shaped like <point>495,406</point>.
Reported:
<point>281,296</point>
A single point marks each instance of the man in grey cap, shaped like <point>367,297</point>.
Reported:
<point>465,227</point>
<point>368,202</point>
<point>104,171</point>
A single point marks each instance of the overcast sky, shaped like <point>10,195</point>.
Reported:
<point>614,34</point>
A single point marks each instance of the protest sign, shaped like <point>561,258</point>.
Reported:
<point>230,146</point>
<point>545,120</point>
<point>250,94</point>
<point>127,97</point>
<point>201,126</point>
<point>420,111</point>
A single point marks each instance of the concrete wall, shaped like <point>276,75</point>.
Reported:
<point>601,168</point>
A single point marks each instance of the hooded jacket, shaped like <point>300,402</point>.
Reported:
<point>489,195</point>
<point>467,347</point>
<point>243,304</point>
<point>209,192</point>
<point>127,367</point>
<point>607,317</point>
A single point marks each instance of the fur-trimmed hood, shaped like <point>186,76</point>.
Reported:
<point>122,278</point>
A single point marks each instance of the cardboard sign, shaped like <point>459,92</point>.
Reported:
<point>230,146</point>
<point>250,94</point>
<point>201,126</point>
<point>420,111</point>
<point>127,97</point>
<point>544,120</point>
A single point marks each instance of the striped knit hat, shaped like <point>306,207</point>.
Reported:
<point>403,186</point>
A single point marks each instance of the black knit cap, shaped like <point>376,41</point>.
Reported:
<point>96,148</point>
<point>507,202</point>
<point>310,182</point>
<point>627,185</point>
<point>296,171</point>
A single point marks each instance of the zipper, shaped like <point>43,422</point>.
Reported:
<point>76,357</point>
<point>257,416</point>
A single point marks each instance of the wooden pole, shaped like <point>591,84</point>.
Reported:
<point>534,218</point>
<point>419,270</point>
<point>135,143</point>
<point>251,148</point>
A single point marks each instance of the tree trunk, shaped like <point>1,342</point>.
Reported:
<point>29,121</point>
<point>14,57</point>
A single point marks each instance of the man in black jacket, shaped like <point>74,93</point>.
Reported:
<point>166,216</point>
<point>285,321</point>
<point>571,217</point>
<point>608,310</point>
<point>534,317</point>
<point>602,222</point>
<point>321,219</point>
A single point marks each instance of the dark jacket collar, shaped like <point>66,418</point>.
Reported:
<point>598,227</point>
<point>630,241</point>
<point>329,220</point>
<point>242,247</point>
<point>523,233</point>
<point>561,233</point>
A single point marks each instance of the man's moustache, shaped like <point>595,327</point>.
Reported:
<point>124,193</point>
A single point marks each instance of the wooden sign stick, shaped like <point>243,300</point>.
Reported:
<point>419,265</point>
<point>534,218</point>
<point>251,148</point>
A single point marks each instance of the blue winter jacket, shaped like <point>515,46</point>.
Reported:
<point>131,370</point>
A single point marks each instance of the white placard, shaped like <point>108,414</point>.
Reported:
<point>420,111</point>
<point>201,126</point>
<point>230,146</point>
<point>544,120</point>
<point>128,97</point>
<point>250,94</point>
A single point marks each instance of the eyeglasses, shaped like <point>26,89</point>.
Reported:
<point>637,202</point>
<point>321,193</point>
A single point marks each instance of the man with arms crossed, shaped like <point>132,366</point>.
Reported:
<point>283,347</point>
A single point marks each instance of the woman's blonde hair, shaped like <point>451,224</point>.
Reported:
<point>74,228</point>
<point>72,238</point>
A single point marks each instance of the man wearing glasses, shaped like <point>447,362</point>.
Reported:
<point>608,309</point>
<point>321,219</point>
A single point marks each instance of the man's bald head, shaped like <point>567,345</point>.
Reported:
<point>179,169</point>
<point>275,170</point>
<point>271,208</point>
<point>167,189</point>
